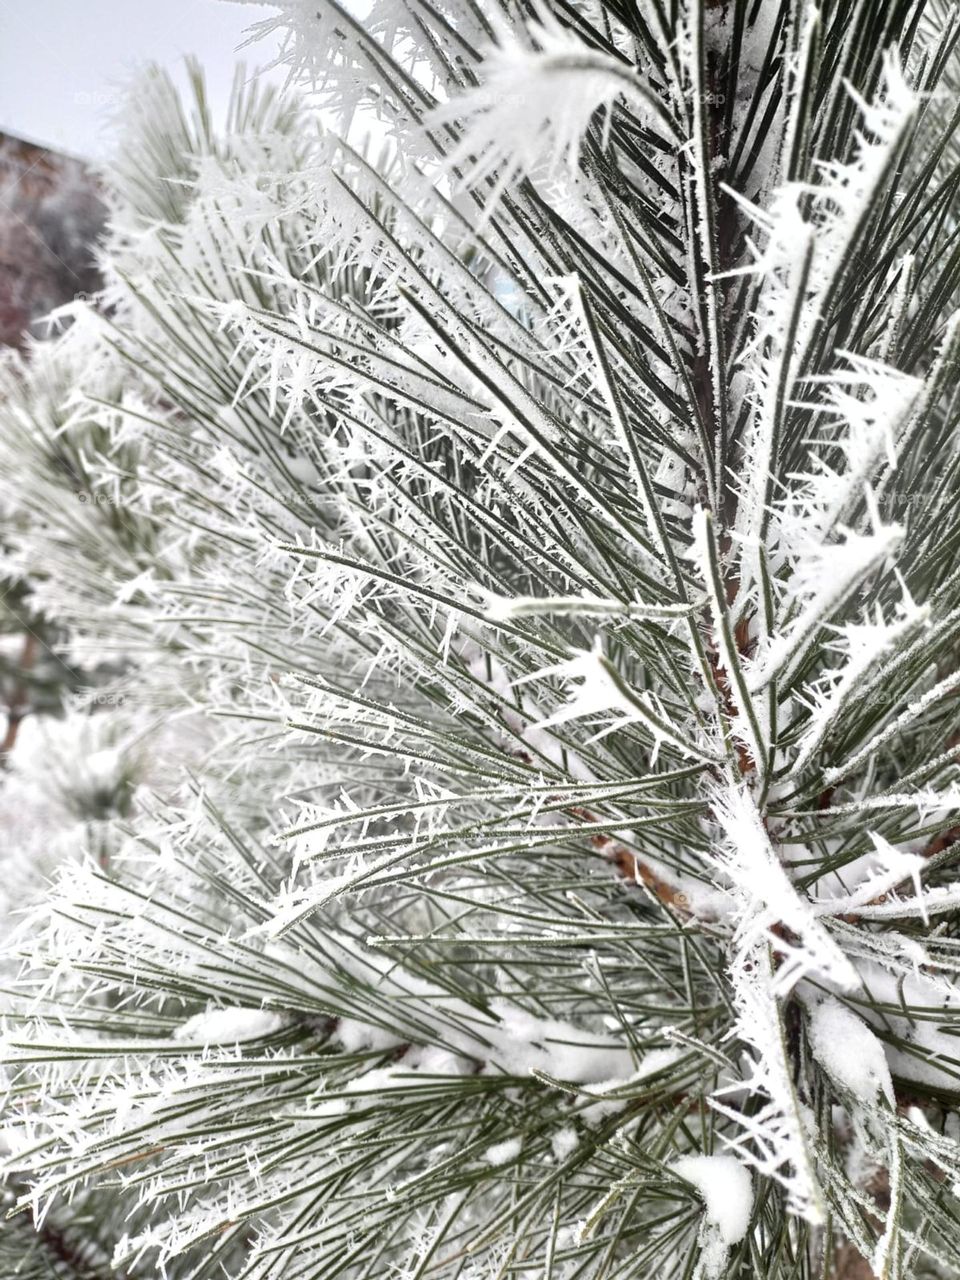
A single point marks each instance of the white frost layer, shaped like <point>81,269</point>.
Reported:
<point>726,1190</point>
<point>228,1026</point>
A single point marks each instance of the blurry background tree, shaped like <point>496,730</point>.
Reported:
<point>51,215</point>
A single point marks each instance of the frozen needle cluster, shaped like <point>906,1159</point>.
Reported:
<point>548,512</point>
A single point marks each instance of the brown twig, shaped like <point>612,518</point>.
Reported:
<point>630,867</point>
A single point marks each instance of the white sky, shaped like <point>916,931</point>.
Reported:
<point>62,61</point>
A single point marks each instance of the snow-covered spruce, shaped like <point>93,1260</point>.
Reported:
<point>550,515</point>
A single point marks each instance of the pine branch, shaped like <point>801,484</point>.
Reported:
<point>547,528</point>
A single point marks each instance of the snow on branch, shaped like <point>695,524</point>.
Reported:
<point>811,234</point>
<point>506,608</point>
<point>848,1051</point>
<point>862,645</point>
<point>776,1136</point>
<point>723,1184</point>
<point>539,92</point>
<point>604,689</point>
<point>870,403</point>
<point>826,578</point>
<point>770,910</point>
